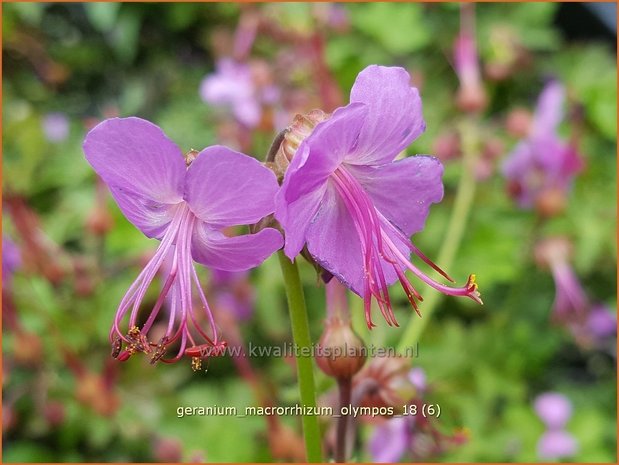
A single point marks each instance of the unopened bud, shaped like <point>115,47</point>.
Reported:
<point>518,122</point>
<point>92,391</point>
<point>84,284</point>
<point>54,413</point>
<point>342,352</point>
<point>99,221</point>
<point>285,444</point>
<point>553,250</point>
<point>168,450</point>
<point>493,148</point>
<point>446,146</point>
<point>551,202</point>
<point>471,98</point>
<point>28,348</point>
<point>498,71</point>
<point>191,156</point>
<point>9,417</point>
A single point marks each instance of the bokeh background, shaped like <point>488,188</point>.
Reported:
<point>69,254</point>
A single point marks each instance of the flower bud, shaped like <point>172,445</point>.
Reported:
<point>301,127</point>
<point>84,283</point>
<point>54,413</point>
<point>497,71</point>
<point>504,55</point>
<point>99,220</point>
<point>190,156</point>
<point>551,202</point>
<point>342,352</point>
<point>518,122</point>
<point>167,450</point>
<point>493,148</point>
<point>9,417</point>
<point>556,249</point>
<point>446,146</point>
<point>92,391</point>
<point>471,98</point>
<point>285,444</point>
<point>28,348</point>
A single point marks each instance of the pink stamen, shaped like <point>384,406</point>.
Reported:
<point>178,286</point>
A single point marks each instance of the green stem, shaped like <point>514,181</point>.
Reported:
<point>455,231</point>
<point>303,343</point>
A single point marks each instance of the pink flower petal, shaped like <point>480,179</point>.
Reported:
<point>333,240</point>
<point>142,167</point>
<point>215,250</point>
<point>306,178</point>
<point>549,111</point>
<point>394,119</point>
<point>227,188</point>
<point>554,409</point>
<point>554,445</point>
<point>296,217</point>
<point>323,150</point>
<point>404,190</point>
<point>391,440</point>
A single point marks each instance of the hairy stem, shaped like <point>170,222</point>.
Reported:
<point>455,231</point>
<point>305,368</point>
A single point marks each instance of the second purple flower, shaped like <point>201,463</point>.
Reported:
<point>354,207</point>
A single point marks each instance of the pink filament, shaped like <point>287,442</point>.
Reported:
<point>374,232</point>
<point>178,285</point>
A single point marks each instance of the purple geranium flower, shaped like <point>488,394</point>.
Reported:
<point>471,94</point>
<point>392,440</point>
<point>233,85</point>
<point>555,445</point>
<point>56,127</point>
<point>553,409</point>
<point>571,303</point>
<point>543,163</point>
<point>186,208</point>
<point>11,260</point>
<point>417,376</point>
<point>602,322</point>
<point>354,207</point>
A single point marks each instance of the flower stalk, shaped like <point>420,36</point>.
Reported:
<point>305,369</point>
<point>344,386</point>
<point>463,203</point>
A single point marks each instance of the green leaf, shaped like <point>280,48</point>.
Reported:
<point>125,35</point>
<point>30,12</point>
<point>102,15</point>
<point>399,27</point>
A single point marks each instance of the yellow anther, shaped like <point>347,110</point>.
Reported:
<point>196,363</point>
<point>134,332</point>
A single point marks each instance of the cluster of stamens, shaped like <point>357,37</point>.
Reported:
<point>138,342</point>
<point>184,322</point>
